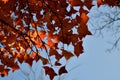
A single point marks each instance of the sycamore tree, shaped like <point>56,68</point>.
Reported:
<point>31,29</point>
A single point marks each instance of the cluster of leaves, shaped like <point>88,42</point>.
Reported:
<point>29,26</point>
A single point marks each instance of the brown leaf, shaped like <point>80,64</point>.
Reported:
<point>44,60</point>
<point>4,72</point>
<point>49,71</point>
<point>88,3</point>
<point>75,2</point>
<point>62,70</point>
<point>1,68</point>
<point>20,57</point>
<point>57,63</point>
<point>15,67</point>
<point>29,60</point>
<point>78,48</point>
<point>67,54</point>
<point>54,52</point>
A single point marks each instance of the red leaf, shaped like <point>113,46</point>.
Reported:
<point>4,72</point>
<point>29,60</point>
<point>15,67</point>
<point>62,70</point>
<point>75,2</point>
<point>78,48</point>
<point>20,57</point>
<point>54,52</point>
<point>57,63</point>
<point>49,71</point>
<point>100,2</point>
<point>1,68</point>
<point>67,54</point>
<point>88,3</point>
<point>44,60</point>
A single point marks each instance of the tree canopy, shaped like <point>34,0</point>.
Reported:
<point>29,26</point>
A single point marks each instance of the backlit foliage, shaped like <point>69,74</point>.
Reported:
<point>29,26</point>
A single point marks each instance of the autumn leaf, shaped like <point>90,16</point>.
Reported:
<point>20,57</point>
<point>83,31</point>
<point>78,48</point>
<point>42,34</point>
<point>49,71</point>
<point>84,17</point>
<point>67,54</point>
<point>75,2</point>
<point>100,2</point>
<point>88,3</point>
<point>57,63</point>
<point>44,60</point>
<point>62,70</point>
<point>15,67</point>
<point>4,72</point>
<point>55,53</point>
<point>29,60</point>
<point>1,68</point>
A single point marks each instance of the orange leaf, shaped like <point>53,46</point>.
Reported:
<point>42,34</point>
<point>100,2</point>
<point>4,73</point>
<point>84,17</point>
<point>50,42</point>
